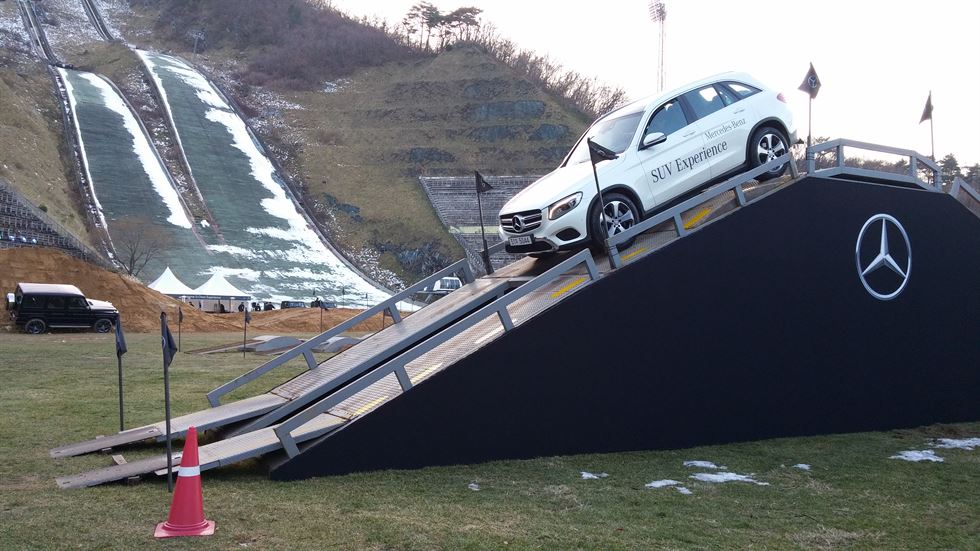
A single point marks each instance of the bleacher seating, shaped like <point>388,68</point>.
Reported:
<point>24,225</point>
<point>454,198</point>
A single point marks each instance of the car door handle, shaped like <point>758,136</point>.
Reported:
<point>689,134</point>
<point>739,110</point>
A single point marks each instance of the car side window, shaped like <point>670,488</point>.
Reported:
<point>668,118</point>
<point>56,303</point>
<point>77,303</point>
<point>704,101</point>
<point>32,301</point>
<point>741,90</point>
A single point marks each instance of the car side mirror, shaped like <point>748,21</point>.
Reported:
<point>10,300</point>
<point>652,139</point>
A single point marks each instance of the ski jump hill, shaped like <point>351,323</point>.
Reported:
<point>845,300</point>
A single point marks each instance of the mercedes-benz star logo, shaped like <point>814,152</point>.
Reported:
<point>518,223</point>
<point>884,288</point>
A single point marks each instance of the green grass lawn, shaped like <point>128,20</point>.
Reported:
<point>61,388</point>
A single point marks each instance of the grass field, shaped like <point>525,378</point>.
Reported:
<point>61,388</point>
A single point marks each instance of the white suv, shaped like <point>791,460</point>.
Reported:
<point>667,146</point>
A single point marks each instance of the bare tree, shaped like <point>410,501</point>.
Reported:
<point>137,241</point>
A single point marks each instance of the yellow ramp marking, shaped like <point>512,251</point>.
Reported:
<point>690,223</point>
<point>369,405</point>
<point>428,370</point>
<point>568,287</point>
<point>630,255</point>
<point>489,335</point>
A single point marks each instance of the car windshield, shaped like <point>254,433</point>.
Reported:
<point>613,133</point>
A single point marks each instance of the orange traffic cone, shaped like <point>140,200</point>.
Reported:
<point>187,510</point>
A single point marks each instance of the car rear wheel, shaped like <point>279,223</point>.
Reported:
<point>768,143</point>
<point>620,215</point>
<point>35,326</point>
<point>103,326</point>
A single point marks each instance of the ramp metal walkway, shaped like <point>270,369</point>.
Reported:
<point>327,376</point>
<point>383,383</point>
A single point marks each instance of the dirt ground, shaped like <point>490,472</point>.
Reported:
<point>140,306</point>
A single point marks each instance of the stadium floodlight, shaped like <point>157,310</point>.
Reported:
<point>658,14</point>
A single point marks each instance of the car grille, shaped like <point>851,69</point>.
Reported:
<point>529,220</point>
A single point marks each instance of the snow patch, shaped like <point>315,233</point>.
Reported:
<point>703,465</point>
<point>144,151</point>
<point>335,86</point>
<point>720,478</point>
<point>802,466</point>
<point>918,455</point>
<point>669,484</point>
<point>590,476</point>
<point>473,486</point>
<point>957,443</point>
<point>662,483</point>
<point>70,92</point>
<point>204,224</point>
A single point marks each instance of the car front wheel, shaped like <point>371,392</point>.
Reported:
<point>103,326</point>
<point>768,143</point>
<point>618,215</point>
<point>35,327</point>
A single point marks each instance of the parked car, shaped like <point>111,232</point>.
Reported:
<point>292,304</point>
<point>37,307</point>
<point>667,145</point>
<point>325,304</point>
<point>446,285</point>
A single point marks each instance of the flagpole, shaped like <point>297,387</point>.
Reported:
<point>166,402</point>
<point>809,128</point>
<point>119,363</point>
<point>244,333</point>
<point>485,253</point>
<point>932,139</point>
<point>180,319</point>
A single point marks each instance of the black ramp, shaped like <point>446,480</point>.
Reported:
<point>757,326</point>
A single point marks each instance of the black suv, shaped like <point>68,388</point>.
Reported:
<point>35,307</point>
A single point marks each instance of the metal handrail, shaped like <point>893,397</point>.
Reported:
<point>734,183</point>
<point>960,184</point>
<point>838,145</point>
<point>305,349</point>
<point>397,365</point>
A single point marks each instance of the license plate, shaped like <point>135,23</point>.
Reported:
<point>522,240</point>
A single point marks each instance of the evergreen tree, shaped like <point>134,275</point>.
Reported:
<point>950,169</point>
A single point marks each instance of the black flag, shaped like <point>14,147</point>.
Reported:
<point>927,112</point>
<point>120,339</point>
<point>481,185</point>
<point>180,315</point>
<point>248,316</point>
<point>599,153</point>
<point>167,341</point>
<point>811,83</point>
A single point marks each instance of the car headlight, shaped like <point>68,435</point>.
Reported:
<point>563,207</point>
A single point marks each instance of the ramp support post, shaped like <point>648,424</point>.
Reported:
<point>395,314</point>
<point>310,360</point>
<point>679,223</point>
<point>403,377</point>
<point>505,320</point>
<point>740,195</point>
<point>614,258</point>
<point>287,441</point>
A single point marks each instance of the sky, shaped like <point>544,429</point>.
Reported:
<point>877,60</point>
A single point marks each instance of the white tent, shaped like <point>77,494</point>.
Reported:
<point>215,292</point>
<point>168,284</point>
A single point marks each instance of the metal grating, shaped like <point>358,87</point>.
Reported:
<point>368,399</point>
<point>396,337</point>
<point>224,414</point>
